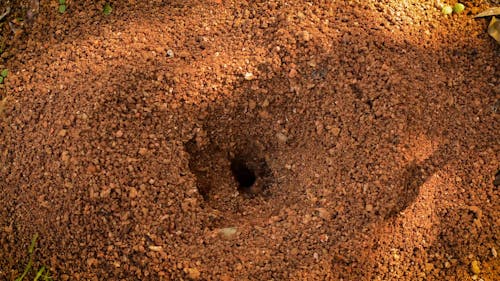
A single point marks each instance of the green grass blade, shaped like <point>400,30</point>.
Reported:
<point>46,276</point>
<point>39,273</point>
<point>33,243</point>
<point>31,250</point>
<point>26,271</point>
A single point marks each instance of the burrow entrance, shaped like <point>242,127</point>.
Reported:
<point>232,152</point>
<point>229,176</point>
<point>244,175</point>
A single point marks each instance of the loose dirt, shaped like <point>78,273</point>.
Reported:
<point>251,140</point>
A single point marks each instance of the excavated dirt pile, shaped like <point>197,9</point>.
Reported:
<point>251,140</point>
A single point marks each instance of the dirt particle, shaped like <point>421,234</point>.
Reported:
<point>494,252</point>
<point>335,131</point>
<point>192,273</point>
<point>252,104</point>
<point>228,232</point>
<point>323,213</point>
<point>474,267</point>
<point>281,137</point>
<point>369,207</point>
<point>264,114</point>
<point>133,193</point>
<point>319,127</point>
<point>143,151</point>
<point>496,181</point>
<point>105,192</point>
<point>249,76</point>
<point>65,156</point>
<point>429,267</point>
<point>323,238</point>
<point>62,133</point>
<point>119,134</point>
<point>304,36</point>
<point>155,248</point>
<point>91,262</point>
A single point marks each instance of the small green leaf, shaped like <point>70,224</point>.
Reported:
<point>458,8</point>
<point>62,2</point>
<point>4,73</point>
<point>107,9</point>
<point>1,80</point>
<point>62,9</point>
<point>447,10</point>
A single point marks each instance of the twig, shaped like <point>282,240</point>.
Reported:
<point>5,14</point>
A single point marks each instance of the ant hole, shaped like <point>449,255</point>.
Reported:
<point>244,175</point>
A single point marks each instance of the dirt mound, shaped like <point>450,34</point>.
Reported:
<point>252,140</point>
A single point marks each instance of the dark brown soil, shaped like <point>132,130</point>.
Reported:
<point>251,140</point>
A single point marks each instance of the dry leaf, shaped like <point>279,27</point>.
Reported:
<point>495,11</point>
<point>494,29</point>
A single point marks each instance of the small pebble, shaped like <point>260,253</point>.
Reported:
<point>252,104</point>
<point>335,131</point>
<point>323,213</point>
<point>170,53</point>
<point>193,273</point>
<point>369,207</point>
<point>143,151</point>
<point>474,266</point>
<point>155,248</point>
<point>429,267</point>
<point>133,192</point>
<point>62,133</point>
<point>494,252</point>
<point>281,137</point>
<point>65,156</point>
<point>304,35</point>
<point>249,76</point>
<point>228,232</point>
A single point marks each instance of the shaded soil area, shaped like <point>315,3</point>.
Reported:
<point>251,140</point>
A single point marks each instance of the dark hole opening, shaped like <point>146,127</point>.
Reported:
<point>243,174</point>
